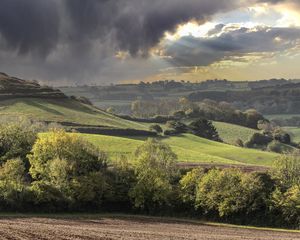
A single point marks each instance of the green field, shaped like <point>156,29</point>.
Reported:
<point>294,132</point>
<point>189,148</point>
<point>63,110</point>
<point>229,133</point>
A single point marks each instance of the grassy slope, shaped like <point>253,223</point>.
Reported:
<point>230,132</point>
<point>189,148</point>
<point>63,110</point>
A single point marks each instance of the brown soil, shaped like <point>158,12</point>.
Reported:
<point>129,228</point>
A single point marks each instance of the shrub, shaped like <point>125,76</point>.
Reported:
<point>239,143</point>
<point>156,128</point>
<point>277,147</point>
<point>259,139</point>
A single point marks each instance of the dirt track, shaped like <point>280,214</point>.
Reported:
<point>34,228</point>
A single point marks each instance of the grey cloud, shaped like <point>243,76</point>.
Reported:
<point>192,51</point>
<point>77,39</point>
<point>29,26</point>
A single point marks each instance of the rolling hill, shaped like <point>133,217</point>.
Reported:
<point>23,98</point>
<point>189,148</point>
<point>229,133</point>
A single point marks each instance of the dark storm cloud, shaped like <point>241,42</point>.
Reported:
<point>30,25</point>
<point>130,25</point>
<point>192,51</point>
<point>76,40</point>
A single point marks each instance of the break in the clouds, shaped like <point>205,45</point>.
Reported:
<point>105,41</point>
<point>231,42</point>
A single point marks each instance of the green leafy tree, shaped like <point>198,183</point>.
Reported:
<point>154,167</point>
<point>16,140</point>
<point>287,170</point>
<point>204,128</point>
<point>12,183</point>
<point>218,191</point>
<point>288,204</point>
<point>189,184</point>
<point>67,168</point>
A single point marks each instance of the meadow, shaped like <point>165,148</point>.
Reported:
<point>229,133</point>
<point>189,148</point>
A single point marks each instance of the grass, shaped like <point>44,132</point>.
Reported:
<point>189,148</point>
<point>63,110</point>
<point>229,133</point>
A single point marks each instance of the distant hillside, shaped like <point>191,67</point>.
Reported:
<point>12,87</point>
<point>24,98</point>
<point>267,96</point>
<point>280,99</point>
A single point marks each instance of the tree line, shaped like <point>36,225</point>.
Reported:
<point>183,108</point>
<point>59,171</point>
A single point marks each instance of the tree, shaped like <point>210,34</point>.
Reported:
<point>189,184</point>
<point>69,168</point>
<point>156,128</point>
<point>287,203</point>
<point>204,128</point>
<point>252,118</point>
<point>259,139</point>
<point>219,190</point>
<point>177,125</point>
<point>16,140</point>
<point>12,183</point>
<point>154,167</point>
<point>287,170</point>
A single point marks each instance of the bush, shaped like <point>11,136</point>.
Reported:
<point>239,143</point>
<point>171,132</point>
<point>259,139</point>
<point>156,128</point>
<point>277,147</point>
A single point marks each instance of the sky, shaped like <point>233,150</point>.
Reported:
<point>75,42</point>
